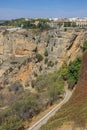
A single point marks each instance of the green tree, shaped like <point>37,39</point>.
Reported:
<point>73,70</point>
<point>55,90</point>
<point>63,71</point>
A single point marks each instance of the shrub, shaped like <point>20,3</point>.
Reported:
<point>46,60</point>
<point>39,57</point>
<point>50,64</point>
<point>46,53</point>
<point>55,90</point>
<point>63,71</point>
<point>51,85</point>
<point>48,80</point>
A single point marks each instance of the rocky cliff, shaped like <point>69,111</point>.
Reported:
<point>19,53</point>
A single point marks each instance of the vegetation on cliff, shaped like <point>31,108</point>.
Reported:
<point>49,89</point>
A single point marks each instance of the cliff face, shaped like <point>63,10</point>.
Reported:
<point>59,44</point>
<point>22,45</point>
<point>18,50</point>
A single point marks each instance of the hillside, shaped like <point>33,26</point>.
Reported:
<point>33,65</point>
<point>73,115</point>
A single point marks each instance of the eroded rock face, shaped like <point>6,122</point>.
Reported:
<point>18,51</point>
<point>56,41</point>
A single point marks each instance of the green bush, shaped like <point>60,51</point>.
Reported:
<point>71,72</point>
<point>46,53</point>
<point>46,60</point>
<point>55,90</point>
<point>63,71</point>
<point>50,64</point>
<point>39,57</point>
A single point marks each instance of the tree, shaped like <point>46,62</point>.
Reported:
<point>54,91</point>
<point>63,71</point>
<point>73,71</point>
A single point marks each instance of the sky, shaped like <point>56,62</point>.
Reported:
<point>11,9</point>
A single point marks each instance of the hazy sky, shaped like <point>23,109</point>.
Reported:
<point>10,9</point>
